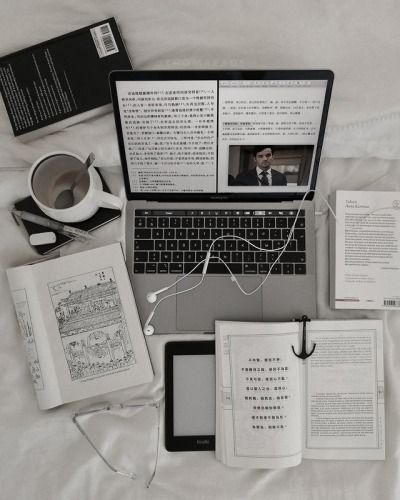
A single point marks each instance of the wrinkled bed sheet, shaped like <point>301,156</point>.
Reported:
<point>42,455</point>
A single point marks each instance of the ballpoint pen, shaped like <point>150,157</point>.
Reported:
<point>59,227</point>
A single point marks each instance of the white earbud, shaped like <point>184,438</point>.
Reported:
<point>149,329</point>
<point>152,296</point>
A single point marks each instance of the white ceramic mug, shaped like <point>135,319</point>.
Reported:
<point>55,172</point>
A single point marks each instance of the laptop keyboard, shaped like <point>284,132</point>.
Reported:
<point>175,241</point>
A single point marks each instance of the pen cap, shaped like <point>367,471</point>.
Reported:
<point>45,238</point>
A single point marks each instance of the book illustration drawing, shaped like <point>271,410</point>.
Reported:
<point>28,335</point>
<point>92,324</point>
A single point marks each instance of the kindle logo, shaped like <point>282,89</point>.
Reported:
<point>203,441</point>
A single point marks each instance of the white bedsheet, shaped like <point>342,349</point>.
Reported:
<point>42,456</point>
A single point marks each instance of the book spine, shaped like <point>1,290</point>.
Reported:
<point>332,253</point>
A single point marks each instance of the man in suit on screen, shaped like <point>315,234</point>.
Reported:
<point>262,174</point>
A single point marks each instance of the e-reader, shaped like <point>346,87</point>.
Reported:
<point>190,395</point>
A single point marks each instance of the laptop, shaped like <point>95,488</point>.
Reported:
<point>221,159</point>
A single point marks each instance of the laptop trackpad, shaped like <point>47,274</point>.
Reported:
<point>217,298</point>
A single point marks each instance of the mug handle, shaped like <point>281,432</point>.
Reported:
<point>107,200</point>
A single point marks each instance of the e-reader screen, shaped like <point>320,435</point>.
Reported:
<point>190,395</point>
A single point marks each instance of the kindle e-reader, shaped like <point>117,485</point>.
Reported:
<point>190,395</point>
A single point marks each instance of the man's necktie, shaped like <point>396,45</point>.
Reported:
<point>264,179</point>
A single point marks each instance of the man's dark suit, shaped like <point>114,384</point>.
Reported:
<point>250,178</point>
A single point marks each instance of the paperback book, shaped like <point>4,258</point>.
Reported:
<point>80,326</point>
<point>62,81</point>
<point>364,250</point>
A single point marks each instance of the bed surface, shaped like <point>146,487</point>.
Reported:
<point>42,455</point>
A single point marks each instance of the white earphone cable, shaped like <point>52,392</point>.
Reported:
<point>233,277</point>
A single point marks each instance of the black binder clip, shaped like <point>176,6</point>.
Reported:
<point>304,354</point>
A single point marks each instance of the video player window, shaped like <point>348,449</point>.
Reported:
<point>287,165</point>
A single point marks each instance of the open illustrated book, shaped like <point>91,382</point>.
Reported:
<point>273,409</point>
<point>80,325</point>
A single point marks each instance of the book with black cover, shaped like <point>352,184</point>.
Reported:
<point>61,81</point>
<point>100,218</point>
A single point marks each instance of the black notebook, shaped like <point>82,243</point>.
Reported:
<point>101,217</point>
<point>63,80</point>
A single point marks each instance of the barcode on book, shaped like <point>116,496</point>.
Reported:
<point>104,40</point>
<point>391,302</point>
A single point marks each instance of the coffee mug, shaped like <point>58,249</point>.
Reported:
<point>56,172</point>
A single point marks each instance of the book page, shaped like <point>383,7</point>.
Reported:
<point>367,248</point>
<point>92,324</point>
<point>258,395</point>
<point>285,114</point>
<point>170,135</point>
<point>344,391</point>
<point>37,350</point>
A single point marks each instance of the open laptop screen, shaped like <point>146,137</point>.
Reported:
<point>220,134</point>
